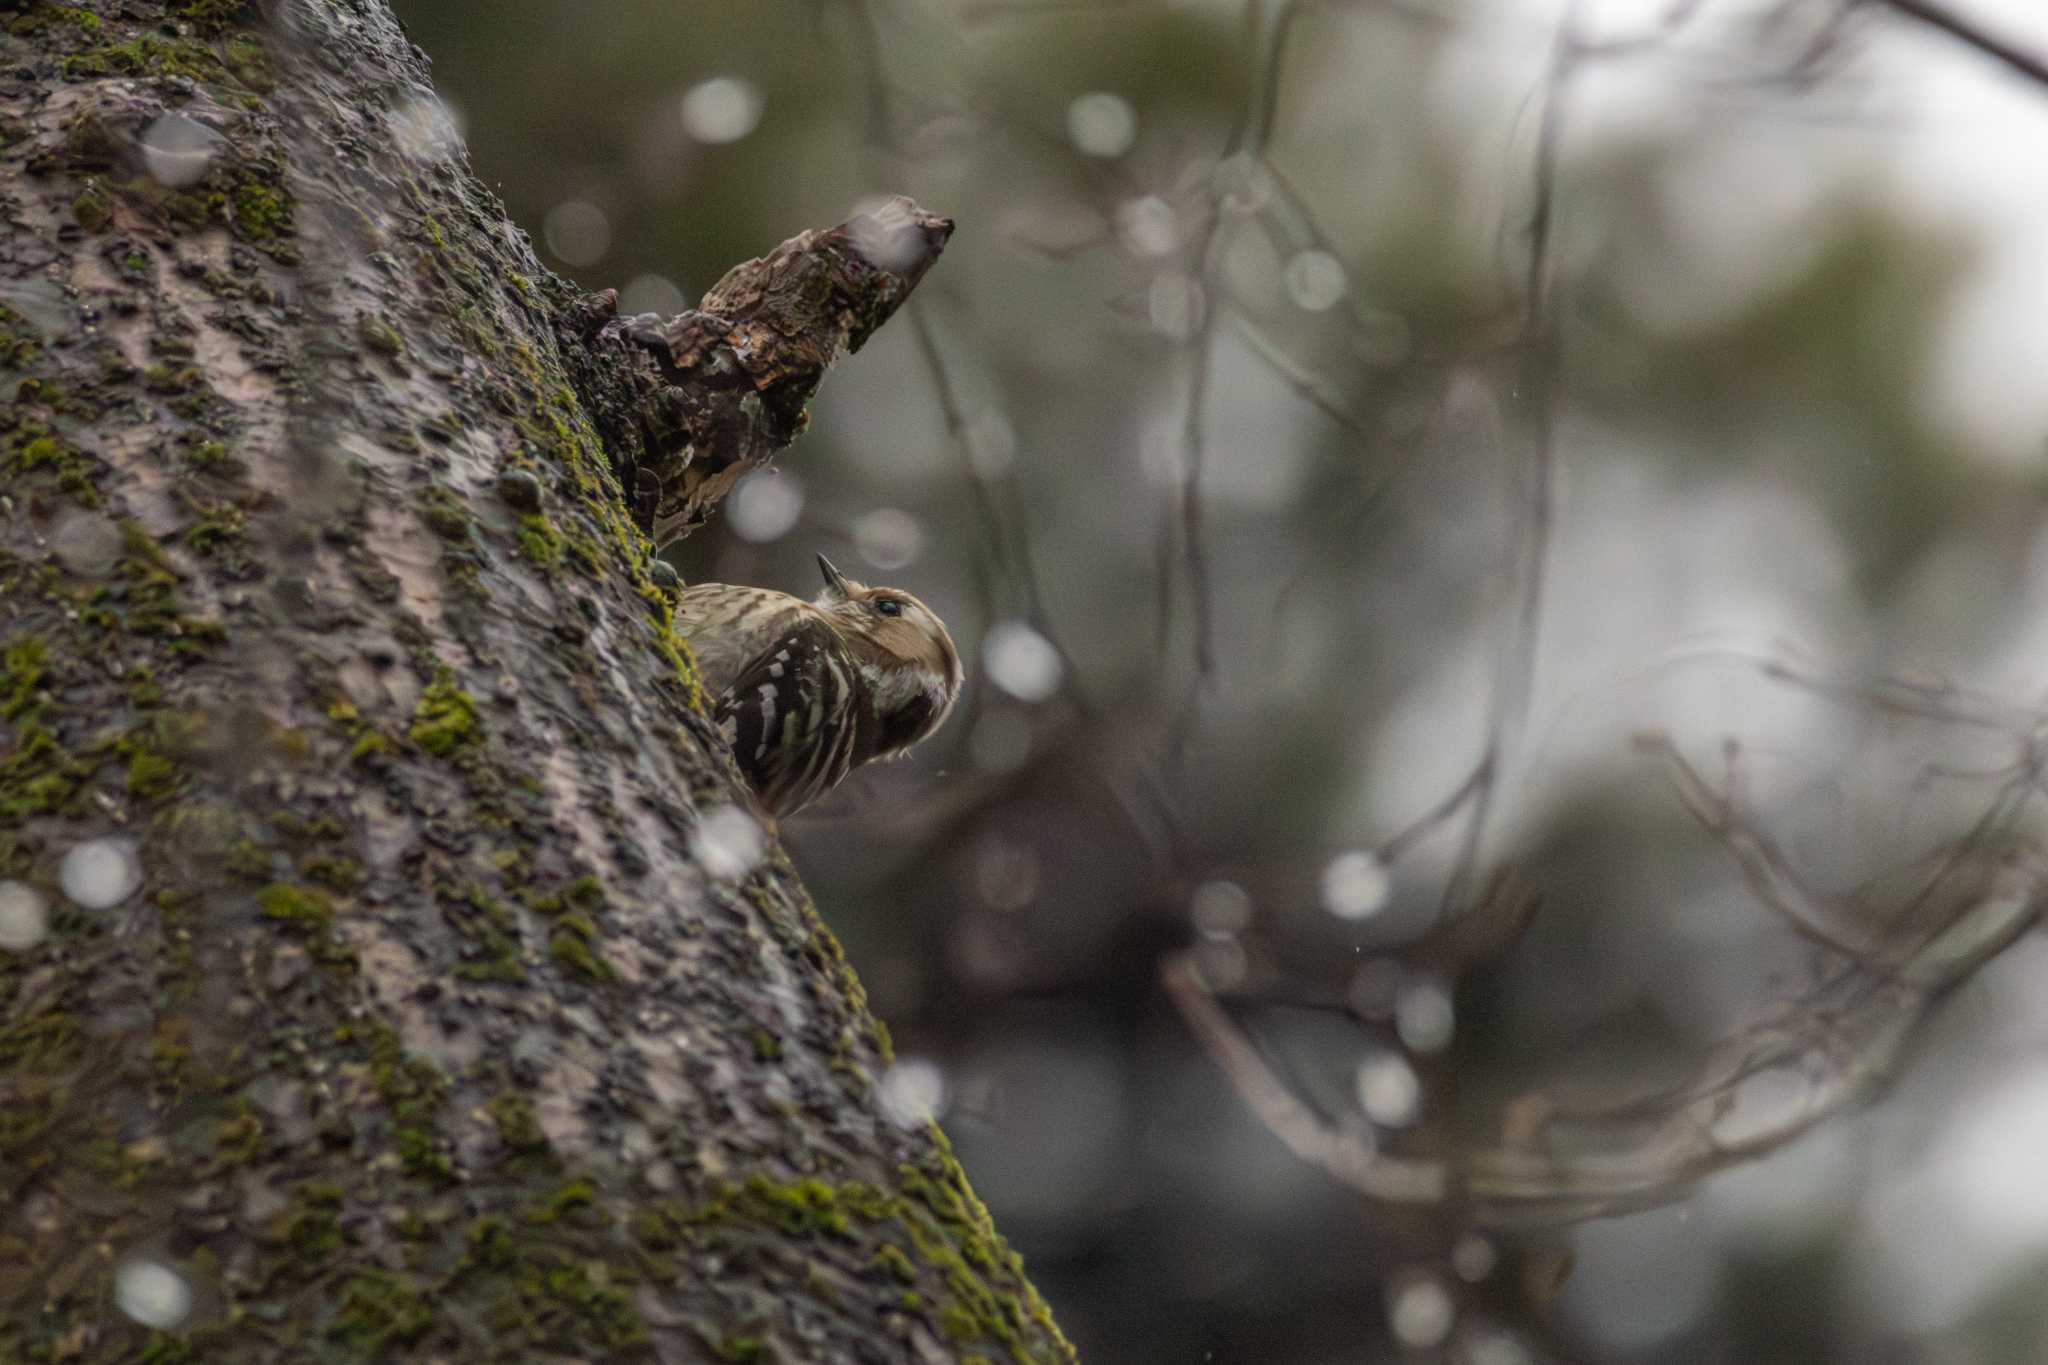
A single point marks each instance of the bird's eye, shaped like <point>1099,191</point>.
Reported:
<point>888,606</point>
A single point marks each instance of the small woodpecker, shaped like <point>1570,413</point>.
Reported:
<point>808,691</point>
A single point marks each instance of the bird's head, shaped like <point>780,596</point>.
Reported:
<point>904,653</point>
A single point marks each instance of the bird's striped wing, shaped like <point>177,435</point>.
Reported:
<point>789,717</point>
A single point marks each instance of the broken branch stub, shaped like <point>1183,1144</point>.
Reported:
<point>694,402</point>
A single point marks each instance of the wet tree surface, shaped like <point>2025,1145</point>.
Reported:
<point>388,974</point>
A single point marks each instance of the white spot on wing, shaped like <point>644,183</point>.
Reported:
<point>767,691</point>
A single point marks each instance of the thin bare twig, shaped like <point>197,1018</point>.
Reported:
<point>1513,675</point>
<point>1972,35</point>
<point>1827,1051</point>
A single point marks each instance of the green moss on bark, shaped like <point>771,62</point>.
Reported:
<point>445,721</point>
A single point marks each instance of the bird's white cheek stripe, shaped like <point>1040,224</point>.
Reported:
<point>894,687</point>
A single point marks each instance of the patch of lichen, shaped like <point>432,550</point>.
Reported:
<point>40,17</point>
<point>556,433</point>
<point>246,57</point>
<point>217,44</point>
<point>889,1258</point>
<point>212,458</point>
<point>573,1201</point>
<point>213,17</point>
<point>519,1127</point>
<point>18,343</point>
<point>336,872</point>
<point>490,932</point>
<point>554,1301</point>
<point>151,771</point>
<point>365,740</point>
<point>525,1282</point>
<point>444,514</point>
<point>569,944</point>
<point>24,664</point>
<point>31,453</point>
<point>444,723</point>
<point>311,913</point>
<point>37,776</point>
<point>379,336</point>
<point>238,1140</point>
<point>47,1042</point>
<point>951,1230</point>
<point>91,207</point>
<point>43,774</point>
<point>414,1092</point>
<point>805,1207</point>
<point>573,933</point>
<point>262,212</point>
<point>378,1311</point>
<point>822,950</point>
<point>245,189</point>
<point>539,541</point>
<point>313,1224</point>
<point>144,599</point>
<point>932,1230</point>
<point>147,54</point>
<point>220,532</point>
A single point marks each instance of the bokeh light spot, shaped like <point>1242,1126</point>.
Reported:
<point>24,916</point>
<point>1220,909</point>
<point>1420,1310</point>
<point>1102,124</point>
<point>912,1092</point>
<point>1149,226</point>
<point>1315,280</point>
<point>1021,661</point>
<point>578,232</point>
<point>991,443</point>
<point>1424,1015</point>
<point>1388,1090</point>
<point>152,1293</point>
<point>100,873</point>
<point>1490,1346</point>
<point>425,128</point>
<point>728,843</point>
<point>1356,885</point>
<point>178,151</point>
<point>652,294</point>
<point>765,505</point>
<point>1474,1258</point>
<point>888,538</point>
<point>721,110</point>
<point>1005,873</point>
<point>86,543</point>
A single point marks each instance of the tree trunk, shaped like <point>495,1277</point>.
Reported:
<point>387,969</point>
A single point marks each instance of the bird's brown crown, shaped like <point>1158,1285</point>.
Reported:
<point>903,651</point>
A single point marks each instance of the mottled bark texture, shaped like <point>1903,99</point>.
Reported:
<point>446,1021</point>
<point>691,403</point>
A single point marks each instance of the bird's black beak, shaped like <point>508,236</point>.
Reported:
<point>835,581</point>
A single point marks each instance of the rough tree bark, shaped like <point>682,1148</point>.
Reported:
<point>372,959</point>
